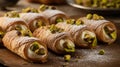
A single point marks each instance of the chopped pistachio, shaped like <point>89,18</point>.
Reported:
<point>68,47</point>
<point>27,10</point>
<point>114,35</point>
<point>89,16</point>
<point>95,17</point>
<point>40,51</point>
<point>43,8</point>
<point>71,21</point>
<point>59,20</point>
<point>101,52</point>
<point>67,57</point>
<point>12,14</point>
<point>26,33</point>
<point>101,17</point>
<point>55,29</point>
<point>79,22</point>
<point>35,46</point>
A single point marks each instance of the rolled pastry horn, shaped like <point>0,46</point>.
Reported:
<point>105,30</point>
<point>29,48</point>
<point>11,21</point>
<point>63,44</point>
<point>44,7</point>
<point>34,20</point>
<point>58,41</point>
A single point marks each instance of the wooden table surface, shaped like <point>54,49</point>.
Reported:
<point>89,57</point>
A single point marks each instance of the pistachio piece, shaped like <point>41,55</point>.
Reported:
<point>101,52</point>
<point>55,29</point>
<point>67,58</point>
<point>68,47</point>
<point>27,10</point>
<point>79,22</point>
<point>101,17</point>
<point>40,51</point>
<point>70,21</point>
<point>89,16</point>
<point>35,46</point>
<point>12,14</point>
<point>95,17</point>
<point>113,35</point>
<point>43,8</point>
<point>110,32</point>
<point>26,33</point>
<point>59,19</point>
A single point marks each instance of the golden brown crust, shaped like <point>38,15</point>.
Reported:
<point>6,22</point>
<point>19,45</point>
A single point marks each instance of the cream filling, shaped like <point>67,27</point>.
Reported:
<point>62,41</point>
<point>91,34</point>
<point>33,55</point>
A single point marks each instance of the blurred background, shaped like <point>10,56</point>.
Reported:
<point>108,8</point>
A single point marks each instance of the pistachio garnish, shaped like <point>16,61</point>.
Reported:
<point>36,48</point>
<point>101,52</point>
<point>45,7</point>
<point>59,19</point>
<point>55,29</point>
<point>29,9</point>
<point>110,32</point>
<point>26,33</point>
<point>70,21</point>
<point>94,17</point>
<point>67,58</point>
<point>79,22</point>
<point>89,16</point>
<point>12,14</point>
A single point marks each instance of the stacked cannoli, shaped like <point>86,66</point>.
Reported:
<point>18,39</point>
<point>105,30</point>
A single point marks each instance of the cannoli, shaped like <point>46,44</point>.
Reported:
<point>29,48</point>
<point>105,30</point>
<point>56,40</point>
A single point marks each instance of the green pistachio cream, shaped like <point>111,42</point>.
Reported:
<point>36,50</point>
<point>110,32</point>
<point>89,38</point>
<point>66,45</point>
